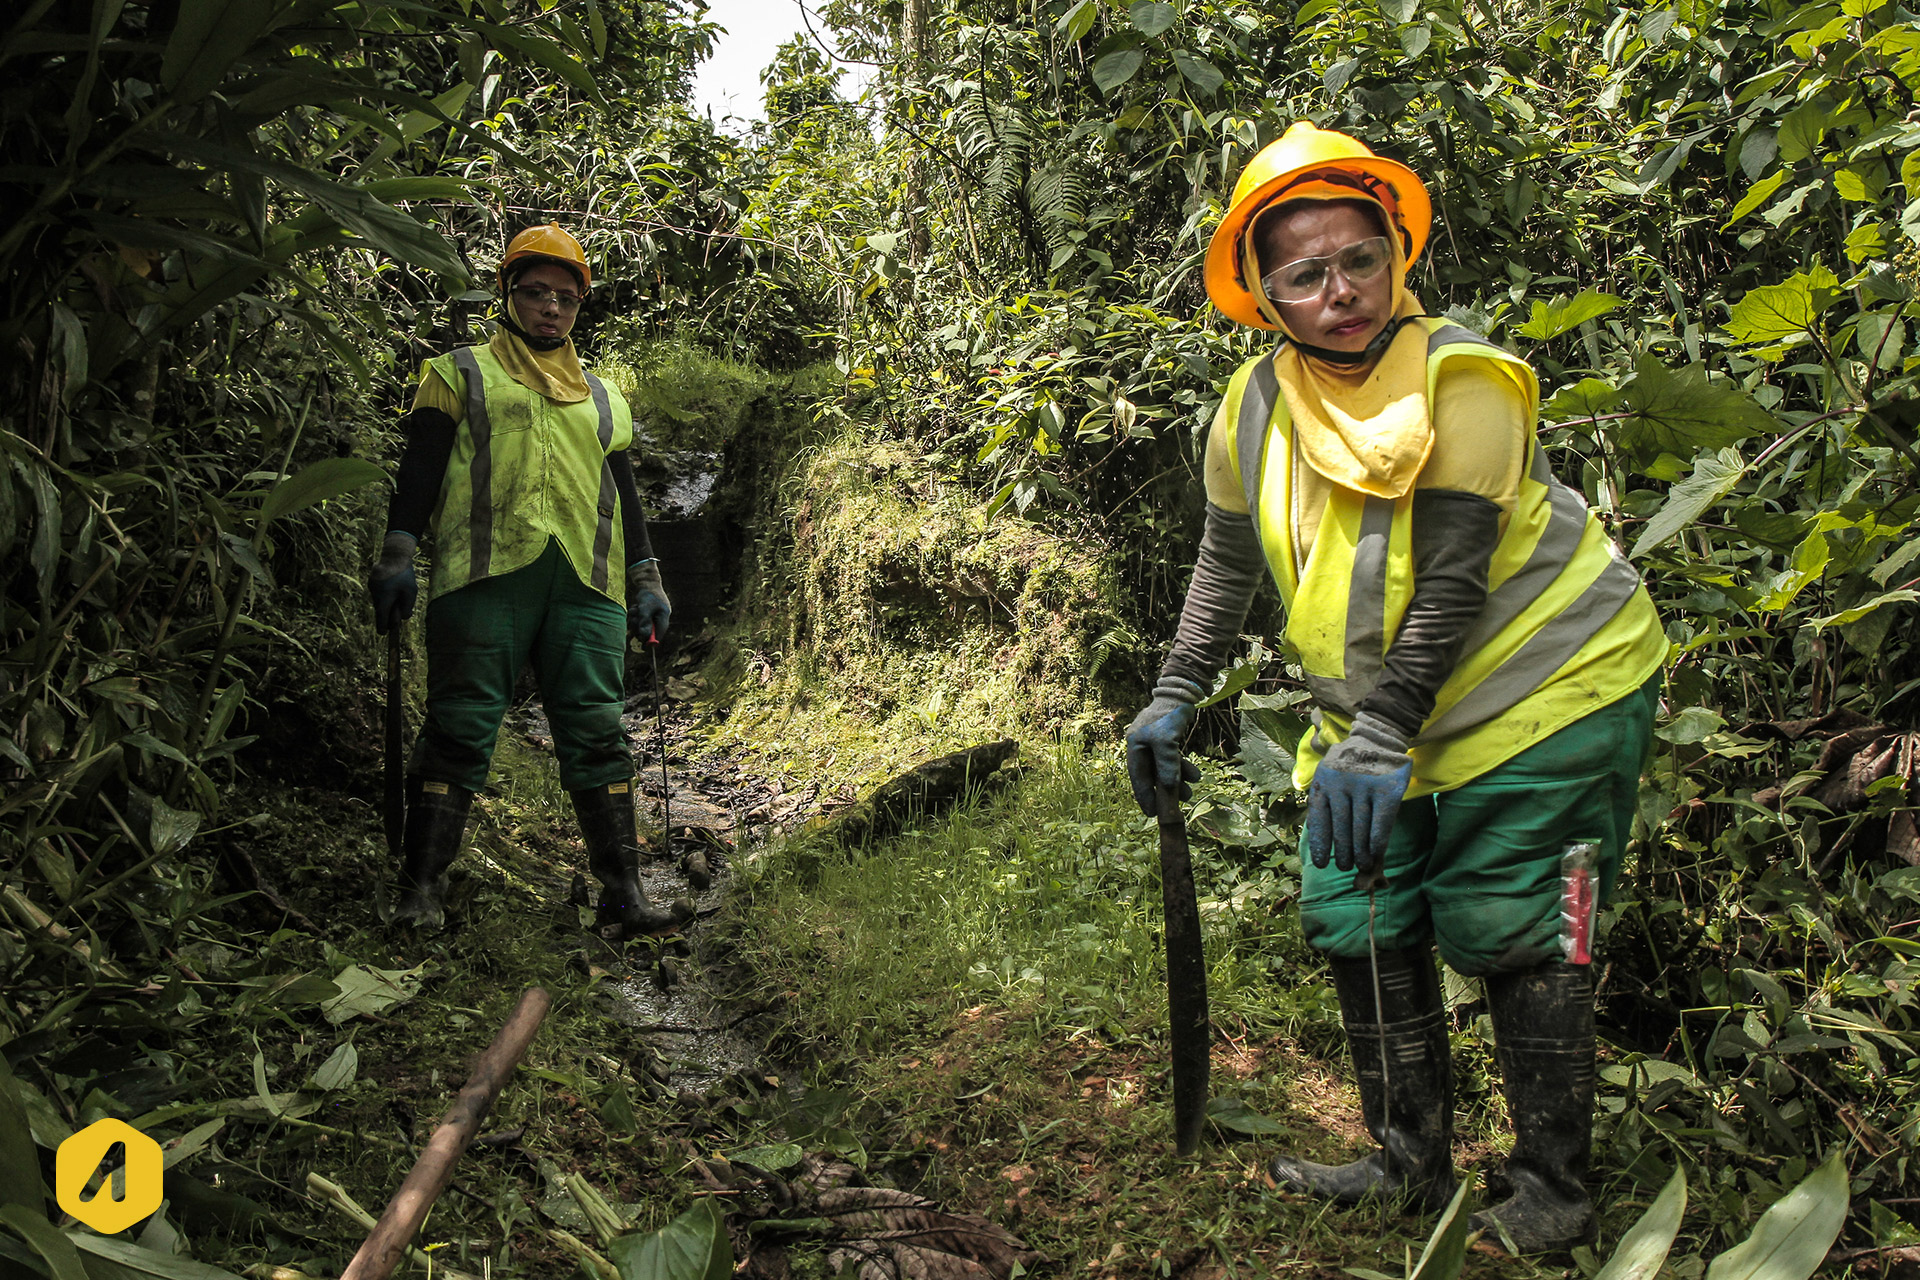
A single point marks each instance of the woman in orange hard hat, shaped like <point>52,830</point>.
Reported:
<point>1483,665</point>
<point>516,466</point>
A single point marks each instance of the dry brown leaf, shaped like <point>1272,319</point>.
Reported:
<point>883,1233</point>
<point>1856,753</point>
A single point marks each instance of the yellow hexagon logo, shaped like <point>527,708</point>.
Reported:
<point>128,1194</point>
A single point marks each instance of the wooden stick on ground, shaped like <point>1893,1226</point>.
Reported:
<point>434,1169</point>
<point>335,1197</point>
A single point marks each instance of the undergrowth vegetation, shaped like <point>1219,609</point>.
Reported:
<point>946,354</point>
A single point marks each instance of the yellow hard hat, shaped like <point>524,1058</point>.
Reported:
<point>547,242</point>
<point>1308,162</point>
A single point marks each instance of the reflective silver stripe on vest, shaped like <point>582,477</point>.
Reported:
<point>1250,430</point>
<point>1366,614</point>
<point>1544,653</point>
<point>1566,525</point>
<point>1451,333</point>
<point>480,471</point>
<point>609,500</point>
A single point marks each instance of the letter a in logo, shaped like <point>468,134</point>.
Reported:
<point>126,1195</point>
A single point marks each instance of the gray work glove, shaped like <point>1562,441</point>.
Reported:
<point>1356,795</point>
<point>391,583</point>
<point>1154,755</point>
<point>648,608</point>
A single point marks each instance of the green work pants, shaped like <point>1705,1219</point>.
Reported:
<point>478,639</point>
<point>1477,869</point>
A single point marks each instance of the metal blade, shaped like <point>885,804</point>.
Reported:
<point>1191,1033</point>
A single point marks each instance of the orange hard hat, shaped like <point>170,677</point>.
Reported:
<point>1313,163</point>
<point>547,242</point>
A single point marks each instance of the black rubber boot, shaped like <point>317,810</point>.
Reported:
<point>613,855</point>
<point>1410,1111</point>
<point>1543,1040</point>
<point>436,822</point>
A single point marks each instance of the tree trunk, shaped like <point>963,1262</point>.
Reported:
<point>914,20</point>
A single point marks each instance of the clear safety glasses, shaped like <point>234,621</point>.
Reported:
<point>1305,278</point>
<point>536,295</point>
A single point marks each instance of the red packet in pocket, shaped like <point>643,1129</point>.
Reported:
<point>1579,886</point>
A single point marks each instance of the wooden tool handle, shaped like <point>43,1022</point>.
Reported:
<point>381,1250</point>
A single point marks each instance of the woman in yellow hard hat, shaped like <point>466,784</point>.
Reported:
<point>1482,661</point>
<point>516,465</point>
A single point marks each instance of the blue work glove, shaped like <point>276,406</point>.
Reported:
<point>1154,757</point>
<point>648,608</point>
<point>1356,795</point>
<point>391,583</point>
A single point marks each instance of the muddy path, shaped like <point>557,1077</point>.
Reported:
<point>699,814</point>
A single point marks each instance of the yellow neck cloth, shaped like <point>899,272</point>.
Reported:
<point>555,374</point>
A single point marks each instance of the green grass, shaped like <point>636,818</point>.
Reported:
<point>579,1096</point>
<point>991,987</point>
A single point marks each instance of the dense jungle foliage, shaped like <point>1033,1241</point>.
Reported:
<point>233,229</point>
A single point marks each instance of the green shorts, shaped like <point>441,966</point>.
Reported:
<point>1477,869</point>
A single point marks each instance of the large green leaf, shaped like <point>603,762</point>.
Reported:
<point>1859,611</point>
<point>542,52</point>
<point>45,1239</point>
<point>416,124</point>
<point>694,1246</point>
<point>146,1262</point>
<point>20,1180</point>
<point>209,37</point>
<point>1152,17</point>
<point>1714,476</point>
<point>1266,751</point>
<point>1446,1250</point>
<point>1200,73</point>
<point>1802,130</point>
<point>1776,312</point>
<point>1240,677</point>
<point>1587,398</point>
<point>1757,194</point>
<point>1681,411</point>
<point>354,207</point>
<point>1116,68</point>
<point>316,482</point>
<point>1792,1238</point>
<point>1645,1245</point>
<point>1078,20</point>
<point>1233,1113</point>
<point>1551,319</point>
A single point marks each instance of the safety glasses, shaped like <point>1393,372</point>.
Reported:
<point>536,295</point>
<point>1306,278</point>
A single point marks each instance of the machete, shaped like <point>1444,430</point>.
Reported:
<point>1192,1034</point>
<point>394,807</point>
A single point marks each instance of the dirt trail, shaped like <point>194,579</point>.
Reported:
<point>676,993</point>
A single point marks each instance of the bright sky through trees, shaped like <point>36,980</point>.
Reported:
<point>728,83</point>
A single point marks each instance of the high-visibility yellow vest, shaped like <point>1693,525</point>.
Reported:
<point>525,470</point>
<point>1567,627</point>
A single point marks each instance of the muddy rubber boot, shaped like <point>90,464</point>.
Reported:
<point>436,823</point>
<point>1410,1112</point>
<point>1543,1041</point>
<point>613,855</point>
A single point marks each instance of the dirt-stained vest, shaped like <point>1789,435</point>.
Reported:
<point>525,470</point>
